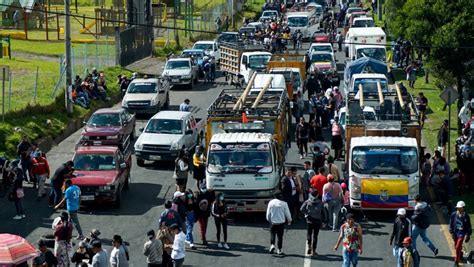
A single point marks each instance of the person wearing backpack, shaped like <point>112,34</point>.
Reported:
<point>313,212</point>
<point>332,198</point>
<point>421,222</point>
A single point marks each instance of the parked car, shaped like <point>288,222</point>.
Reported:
<point>181,71</point>
<point>108,127</point>
<point>102,172</point>
<point>165,134</point>
<point>147,96</point>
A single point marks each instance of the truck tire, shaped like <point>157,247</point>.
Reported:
<point>140,162</point>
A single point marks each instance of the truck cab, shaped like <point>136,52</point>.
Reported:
<point>363,36</point>
<point>306,22</point>
<point>293,79</point>
<point>253,61</point>
<point>377,52</point>
<point>102,172</point>
<point>146,96</point>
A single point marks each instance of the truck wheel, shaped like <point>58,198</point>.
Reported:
<point>140,162</point>
<point>118,199</point>
<point>167,103</point>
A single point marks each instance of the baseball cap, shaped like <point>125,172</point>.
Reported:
<point>178,194</point>
<point>460,204</point>
<point>407,240</point>
<point>401,211</point>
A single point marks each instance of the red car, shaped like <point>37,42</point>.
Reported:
<point>322,38</point>
<point>102,172</point>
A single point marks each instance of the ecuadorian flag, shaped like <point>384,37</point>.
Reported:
<point>384,194</point>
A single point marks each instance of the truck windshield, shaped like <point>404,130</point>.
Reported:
<point>104,120</point>
<point>142,88</point>
<point>164,126</point>
<point>179,64</point>
<point>375,53</point>
<point>94,162</point>
<point>259,61</point>
<point>363,23</point>
<point>240,158</point>
<point>370,85</point>
<point>384,160</point>
<point>297,21</point>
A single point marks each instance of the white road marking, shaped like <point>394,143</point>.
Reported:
<point>307,258</point>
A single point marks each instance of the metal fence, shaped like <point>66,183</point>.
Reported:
<point>135,43</point>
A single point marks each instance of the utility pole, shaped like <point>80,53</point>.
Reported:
<point>67,39</point>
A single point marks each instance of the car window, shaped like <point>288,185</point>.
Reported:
<point>104,119</point>
<point>179,64</point>
<point>94,162</point>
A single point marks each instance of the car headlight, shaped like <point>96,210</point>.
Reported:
<point>85,137</point>
<point>153,101</point>
<point>124,104</point>
<point>187,76</point>
<point>113,137</point>
<point>174,146</point>
<point>138,146</point>
<point>355,191</point>
<point>106,188</point>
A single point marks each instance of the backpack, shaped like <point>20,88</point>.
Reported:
<point>313,211</point>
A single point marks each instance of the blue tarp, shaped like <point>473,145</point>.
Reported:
<point>364,65</point>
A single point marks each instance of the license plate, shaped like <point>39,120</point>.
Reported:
<point>175,80</point>
<point>97,143</point>
<point>155,157</point>
<point>87,198</point>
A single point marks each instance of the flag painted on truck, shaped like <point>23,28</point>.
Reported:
<point>384,194</point>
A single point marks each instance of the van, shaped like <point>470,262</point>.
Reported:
<point>306,22</point>
<point>363,36</point>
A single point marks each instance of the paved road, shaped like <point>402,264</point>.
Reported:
<point>248,234</point>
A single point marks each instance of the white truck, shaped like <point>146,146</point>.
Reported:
<point>181,71</point>
<point>358,37</point>
<point>166,133</point>
<point>146,96</point>
<point>209,47</point>
<point>306,22</point>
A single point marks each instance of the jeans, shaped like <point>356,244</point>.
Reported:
<point>334,207</point>
<point>41,179</point>
<point>221,221</point>
<point>277,229</point>
<point>189,226</point>
<point>55,194</point>
<point>19,206</point>
<point>178,262</point>
<point>396,253</point>
<point>312,232</point>
<point>349,257</point>
<point>417,231</point>
<point>75,220</point>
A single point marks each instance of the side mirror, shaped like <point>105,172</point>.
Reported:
<point>344,167</point>
<point>123,165</point>
<point>141,129</point>
<point>188,132</point>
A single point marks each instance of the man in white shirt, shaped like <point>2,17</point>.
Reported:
<point>278,214</point>
<point>177,255</point>
<point>185,105</point>
<point>100,257</point>
<point>118,256</point>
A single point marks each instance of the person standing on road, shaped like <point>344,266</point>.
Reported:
<point>23,152</point>
<point>100,259</point>
<point>339,41</point>
<point>313,212</point>
<point>443,137</point>
<point>409,256</point>
<point>118,255</point>
<point>72,197</point>
<point>181,168</point>
<point>57,181</point>
<point>167,239</point>
<point>460,228</point>
<point>277,215</point>
<point>351,237</point>
<point>177,254</point>
<point>219,212</point>
<point>18,194</point>
<point>204,200</point>
<point>421,222</point>
<point>332,198</point>
<point>199,167</point>
<point>336,142</point>
<point>318,181</point>
<point>288,189</point>
<point>46,257</point>
<point>185,106</point>
<point>191,206</point>
<point>302,137</point>
<point>401,229</point>
<point>153,250</point>
<point>62,239</point>
<point>332,168</point>
<point>40,169</point>
<point>170,216</point>
<point>308,174</point>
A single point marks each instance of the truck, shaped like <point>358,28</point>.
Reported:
<point>165,134</point>
<point>239,60</point>
<point>293,68</point>
<point>363,36</point>
<point>365,71</point>
<point>102,172</point>
<point>147,96</point>
<point>307,22</point>
<point>382,153</point>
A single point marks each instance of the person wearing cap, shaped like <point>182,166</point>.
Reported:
<point>401,229</point>
<point>204,200</point>
<point>169,216</point>
<point>72,197</point>
<point>40,169</point>
<point>62,239</point>
<point>178,247</point>
<point>153,250</point>
<point>118,255</point>
<point>185,106</point>
<point>81,255</point>
<point>219,212</point>
<point>409,256</point>
<point>64,171</point>
<point>278,213</point>
<point>460,229</point>
<point>100,258</point>
<point>421,222</point>
<point>443,137</point>
<point>179,205</point>
<point>332,199</point>
<point>313,212</point>
<point>45,258</point>
<point>351,238</point>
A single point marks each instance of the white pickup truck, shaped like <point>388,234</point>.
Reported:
<point>165,134</point>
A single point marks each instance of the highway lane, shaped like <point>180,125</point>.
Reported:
<point>248,234</point>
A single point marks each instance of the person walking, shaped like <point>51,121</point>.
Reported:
<point>118,255</point>
<point>62,239</point>
<point>332,168</point>
<point>190,204</point>
<point>351,237</point>
<point>199,167</point>
<point>18,194</point>
<point>443,137</point>
<point>40,169</point>
<point>57,181</point>
<point>100,258</point>
<point>401,230</point>
<point>72,197</point>
<point>460,229</point>
<point>153,250</point>
<point>288,187</point>
<point>185,106</point>
<point>278,213</point>
<point>167,239</point>
<point>409,256</point>
<point>308,174</point>
<point>319,180</point>
<point>178,252</point>
<point>181,168</point>
<point>336,142</point>
<point>204,200</point>
<point>219,212</point>
<point>169,216</point>
<point>313,212</point>
<point>339,39</point>
<point>302,137</point>
<point>332,198</point>
<point>422,105</point>
<point>421,222</point>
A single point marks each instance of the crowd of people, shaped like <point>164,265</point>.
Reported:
<point>92,87</point>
